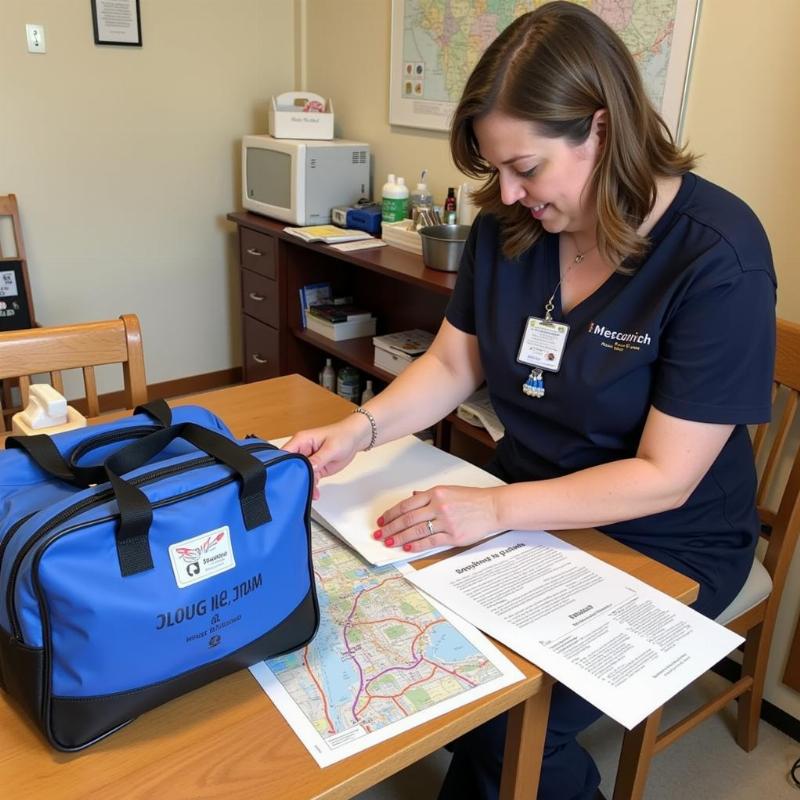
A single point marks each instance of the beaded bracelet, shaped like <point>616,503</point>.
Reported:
<point>372,424</point>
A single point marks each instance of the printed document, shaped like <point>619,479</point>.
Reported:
<point>624,646</point>
<point>351,501</point>
<point>385,659</point>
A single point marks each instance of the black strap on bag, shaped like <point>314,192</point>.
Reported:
<point>158,410</point>
<point>136,512</point>
<point>43,451</point>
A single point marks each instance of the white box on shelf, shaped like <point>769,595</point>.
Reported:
<point>339,331</point>
<point>402,235</point>
<point>391,362</point>
<point>395,351</point>
<point>289,120</point>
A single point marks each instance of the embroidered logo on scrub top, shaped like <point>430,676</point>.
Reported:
<point>620,341</point>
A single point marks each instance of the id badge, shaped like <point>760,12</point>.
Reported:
<point>543,343</point>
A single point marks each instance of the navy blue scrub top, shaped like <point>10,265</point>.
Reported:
<point>691,332</point>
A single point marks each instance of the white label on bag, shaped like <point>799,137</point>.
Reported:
<point>202,556</point>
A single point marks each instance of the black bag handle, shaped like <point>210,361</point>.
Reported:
<point>43,451</point>
<point>136,512</point>
<point>158,410</point>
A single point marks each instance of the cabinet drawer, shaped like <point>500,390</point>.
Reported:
<point>260,297</point>
<point>259,252</point>
<point>260,350</point>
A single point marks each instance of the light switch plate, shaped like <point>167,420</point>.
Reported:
<point>36,42</point>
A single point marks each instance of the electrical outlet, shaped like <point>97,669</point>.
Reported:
<point>36,43</point>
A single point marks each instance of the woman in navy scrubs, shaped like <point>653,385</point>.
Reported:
<point>622,312</point>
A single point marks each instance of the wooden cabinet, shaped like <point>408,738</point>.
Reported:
<point>395,285</point>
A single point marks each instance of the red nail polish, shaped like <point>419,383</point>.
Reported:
<point>389,542</point>
<point>407,547</point>
<point>377,534</point>
<point>380,521</point>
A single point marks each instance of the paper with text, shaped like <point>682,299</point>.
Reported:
<point>351,501</point>
<point>622,645</point>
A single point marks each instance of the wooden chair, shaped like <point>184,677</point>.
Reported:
<point>752,613</point>
<point>84,346</point>
<point>9,209</point>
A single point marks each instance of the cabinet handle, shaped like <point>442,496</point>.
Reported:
<point>257,297</point>
<point>253,252</point>
<point>257,358</point>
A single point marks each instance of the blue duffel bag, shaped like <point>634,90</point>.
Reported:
<point>120,597</point>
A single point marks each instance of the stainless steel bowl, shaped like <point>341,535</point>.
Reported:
<point>442,246</point>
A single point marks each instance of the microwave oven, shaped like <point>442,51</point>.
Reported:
<point>301,180</point>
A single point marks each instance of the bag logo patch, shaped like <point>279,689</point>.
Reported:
<point>194,560</point>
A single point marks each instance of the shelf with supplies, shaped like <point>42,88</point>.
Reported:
<point>359,353</point>
<point>394,285</point>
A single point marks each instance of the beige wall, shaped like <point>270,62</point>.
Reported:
<point>743,113</point>
<point>125,161</point>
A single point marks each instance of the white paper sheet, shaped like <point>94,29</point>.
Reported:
<point>351,501</point>
<point>624,646</point>
<point>385,659</point>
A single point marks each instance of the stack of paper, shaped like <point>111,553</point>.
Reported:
<point>477,410</point>
<point>351,501</point>
<point>327,234</point>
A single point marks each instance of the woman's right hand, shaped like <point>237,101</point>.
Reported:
<point>332,447</point>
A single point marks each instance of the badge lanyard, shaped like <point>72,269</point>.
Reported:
<point>541,347</point>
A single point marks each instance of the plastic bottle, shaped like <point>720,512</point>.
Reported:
<point>420,198</point>
<point>329,376</point>
<point>450,207</point>
<point>348,383</point>
<point>368,392</point>
<point>394,207</point>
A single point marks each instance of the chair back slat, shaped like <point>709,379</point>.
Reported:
<point>784,516</point>
<point>57,381</point>
<point>92,402</point>
<point>776,450</point>
<point>761,430</point>
<point>9,208</point>
<point>24,388</point>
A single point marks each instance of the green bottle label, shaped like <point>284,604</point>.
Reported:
<point>394,209</point>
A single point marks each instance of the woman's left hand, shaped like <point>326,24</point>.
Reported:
<point>442,516</point>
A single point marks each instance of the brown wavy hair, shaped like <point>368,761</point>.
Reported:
<point>556,66</point>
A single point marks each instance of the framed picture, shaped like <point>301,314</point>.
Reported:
<point>117,22</point>
<point>433,53</point>
<point>15,312</point>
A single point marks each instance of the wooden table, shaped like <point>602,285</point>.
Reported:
<point>227,740</point>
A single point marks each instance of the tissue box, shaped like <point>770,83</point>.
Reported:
<point>287,120</point>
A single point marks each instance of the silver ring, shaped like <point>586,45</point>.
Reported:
<point>429,526</point>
